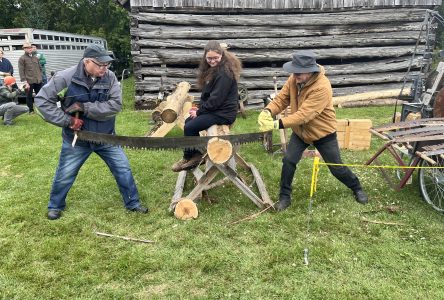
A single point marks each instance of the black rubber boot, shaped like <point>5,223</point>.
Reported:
<point>286,181</point>
<point>283,204</point>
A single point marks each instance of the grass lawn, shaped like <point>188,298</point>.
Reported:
<point>208,258</point>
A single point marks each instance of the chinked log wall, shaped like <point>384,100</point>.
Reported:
<point>364,45</point>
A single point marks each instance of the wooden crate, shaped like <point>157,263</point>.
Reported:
<point>353,134</point>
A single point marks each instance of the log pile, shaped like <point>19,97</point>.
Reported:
<point>171,112</point>
<point>364,47</point>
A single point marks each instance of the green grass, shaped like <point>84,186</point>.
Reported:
<point>208,258</point>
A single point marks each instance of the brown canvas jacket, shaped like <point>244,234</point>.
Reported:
<point>312,115</point>
<point>29,69</point>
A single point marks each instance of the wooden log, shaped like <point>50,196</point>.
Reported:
<point>150,31</point>
<point>216,130</point>
<point>256,97</point>
<point>372,102</point>
<point>362,17</point>
<point>351,40</point>
<point>210,7</point>
<point>185,112</point>
<point>148,84</point>
<point>186,209</point>
<point>374,66</point>
<point>192,56</point>
<point>175,102</point>
<point>155,115</point>
<point>340,100</point>
<point>219,150</point>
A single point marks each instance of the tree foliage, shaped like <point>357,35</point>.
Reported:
<point>102,18</point>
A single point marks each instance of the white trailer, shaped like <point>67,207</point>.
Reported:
<point>61,49</point>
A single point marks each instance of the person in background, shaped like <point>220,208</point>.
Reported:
<point>30,74</point>
<point>42,62</point>
<point>9,108</point>
<point>91,98</point>
<point>218,75</point>
<point>6,68</point>
<point>312,119</point>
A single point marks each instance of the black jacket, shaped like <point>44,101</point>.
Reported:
<point>220,97</point>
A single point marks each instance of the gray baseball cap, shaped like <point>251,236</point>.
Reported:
<point>98,52</point>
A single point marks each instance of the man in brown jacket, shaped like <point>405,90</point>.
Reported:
<point>312,119</point>
<point>30,74</point>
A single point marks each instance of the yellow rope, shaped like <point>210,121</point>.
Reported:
<point>317,163</point>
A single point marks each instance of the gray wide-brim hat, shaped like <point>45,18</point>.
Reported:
<point>98,52</point>
<point>304,61</point>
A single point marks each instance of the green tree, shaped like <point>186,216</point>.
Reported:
<point>102,18</point>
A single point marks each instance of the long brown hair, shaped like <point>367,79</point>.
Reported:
<point>231,64</point>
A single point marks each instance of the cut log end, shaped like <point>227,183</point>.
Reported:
<point>219,150</point>
<point>169,115</point>
<point>186,209</point>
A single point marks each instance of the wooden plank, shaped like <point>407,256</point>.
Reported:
<point>260,185</point>
<point>178,190</point>
<point>240,185</point>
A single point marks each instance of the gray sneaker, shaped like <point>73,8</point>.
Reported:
<point>187,164</point>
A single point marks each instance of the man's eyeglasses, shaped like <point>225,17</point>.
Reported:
<point>101,66</point>
<point>215,58</point>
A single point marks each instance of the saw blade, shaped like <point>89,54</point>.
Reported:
<point>186,142</point>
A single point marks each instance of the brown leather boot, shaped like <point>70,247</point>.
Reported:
<point>187,164</point>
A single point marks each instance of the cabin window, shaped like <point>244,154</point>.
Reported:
<point>43,37</point>
<point>50,37</point>
<point>45,47</point>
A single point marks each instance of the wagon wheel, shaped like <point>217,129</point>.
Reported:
<point>243,99</point>
<point>431,183</point>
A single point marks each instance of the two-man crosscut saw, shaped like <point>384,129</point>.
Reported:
<point>186,142</point>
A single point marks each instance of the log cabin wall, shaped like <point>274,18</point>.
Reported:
<point>364,45</point>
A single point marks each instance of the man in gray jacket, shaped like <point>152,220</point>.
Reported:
<point>90,98</point>
<point>9,108</point>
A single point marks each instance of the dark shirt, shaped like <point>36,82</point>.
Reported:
<point>6,66</point>
<point>220,97</point>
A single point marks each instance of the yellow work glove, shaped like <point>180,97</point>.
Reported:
<point>266,121</point>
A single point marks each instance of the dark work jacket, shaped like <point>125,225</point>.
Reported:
<point>220,97</point>
<point>83,91</point>
<point>6,66</point>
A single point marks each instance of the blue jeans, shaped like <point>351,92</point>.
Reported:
<point>71,160</point>
<point>329,149</point>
